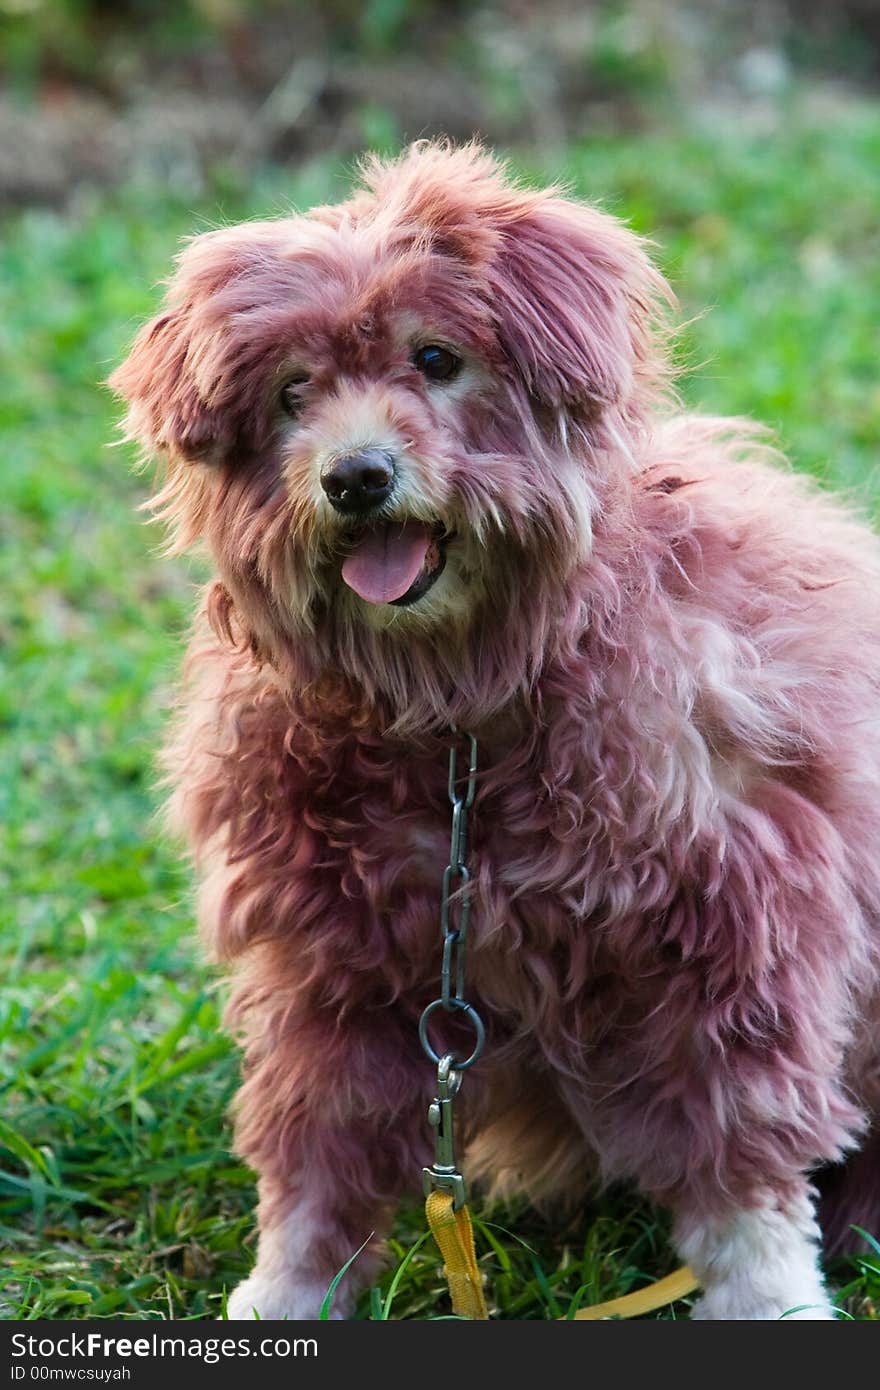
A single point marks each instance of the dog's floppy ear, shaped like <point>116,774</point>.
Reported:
<point>577,302</point>
<point>165,412</point>
<point>169,379</point>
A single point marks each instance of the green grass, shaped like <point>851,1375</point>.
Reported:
<point>118,1196</point>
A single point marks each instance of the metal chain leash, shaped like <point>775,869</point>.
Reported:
<point>446,1205</point>
<point>455,908</point>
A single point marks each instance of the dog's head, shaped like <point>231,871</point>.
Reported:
<point>391,420</point>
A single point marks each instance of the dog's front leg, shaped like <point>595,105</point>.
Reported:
<point>333,1119</point>
<point>726,1082</point>
<point>302,1244</point>
<point>757,1262</point>
<point>743,1213</point>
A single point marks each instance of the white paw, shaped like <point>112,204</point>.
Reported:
<point>723,1304</point>
<point>759,1265</point>
<point>273,1299</point>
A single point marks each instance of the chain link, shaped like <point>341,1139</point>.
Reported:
<point>455,905</point>
<point>455,909</point>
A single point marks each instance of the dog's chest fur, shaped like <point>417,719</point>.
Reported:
<point>567,889</point>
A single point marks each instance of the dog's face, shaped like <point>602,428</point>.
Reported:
<point>386,418</point>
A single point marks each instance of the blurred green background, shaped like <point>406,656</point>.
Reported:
<point>744,138</point>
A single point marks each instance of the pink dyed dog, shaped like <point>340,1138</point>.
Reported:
<point>425,439</point>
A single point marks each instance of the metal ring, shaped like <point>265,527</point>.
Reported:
<point>473,1018</point>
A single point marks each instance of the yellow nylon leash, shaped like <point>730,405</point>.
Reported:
<point>454,1235</point>
<point>647,1300</point>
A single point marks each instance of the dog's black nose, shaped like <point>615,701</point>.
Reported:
<point>360,481</point>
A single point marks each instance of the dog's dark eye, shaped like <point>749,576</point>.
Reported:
<point>292,399</point>
<point>437,363</point>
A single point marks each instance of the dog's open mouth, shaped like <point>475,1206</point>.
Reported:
<point>396,562</point>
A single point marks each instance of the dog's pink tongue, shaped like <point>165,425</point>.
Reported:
<point>385,562</point>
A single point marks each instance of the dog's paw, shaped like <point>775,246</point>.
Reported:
<point>723,1304</point>
<point>760,1264</point>
<point>274,1299</point>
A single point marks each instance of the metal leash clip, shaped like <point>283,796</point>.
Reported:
<point>444,1173</point>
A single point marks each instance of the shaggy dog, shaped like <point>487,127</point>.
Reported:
<point>428,440</point>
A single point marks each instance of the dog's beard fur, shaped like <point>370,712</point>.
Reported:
<point>512,549</point>
<point>687,865</point>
